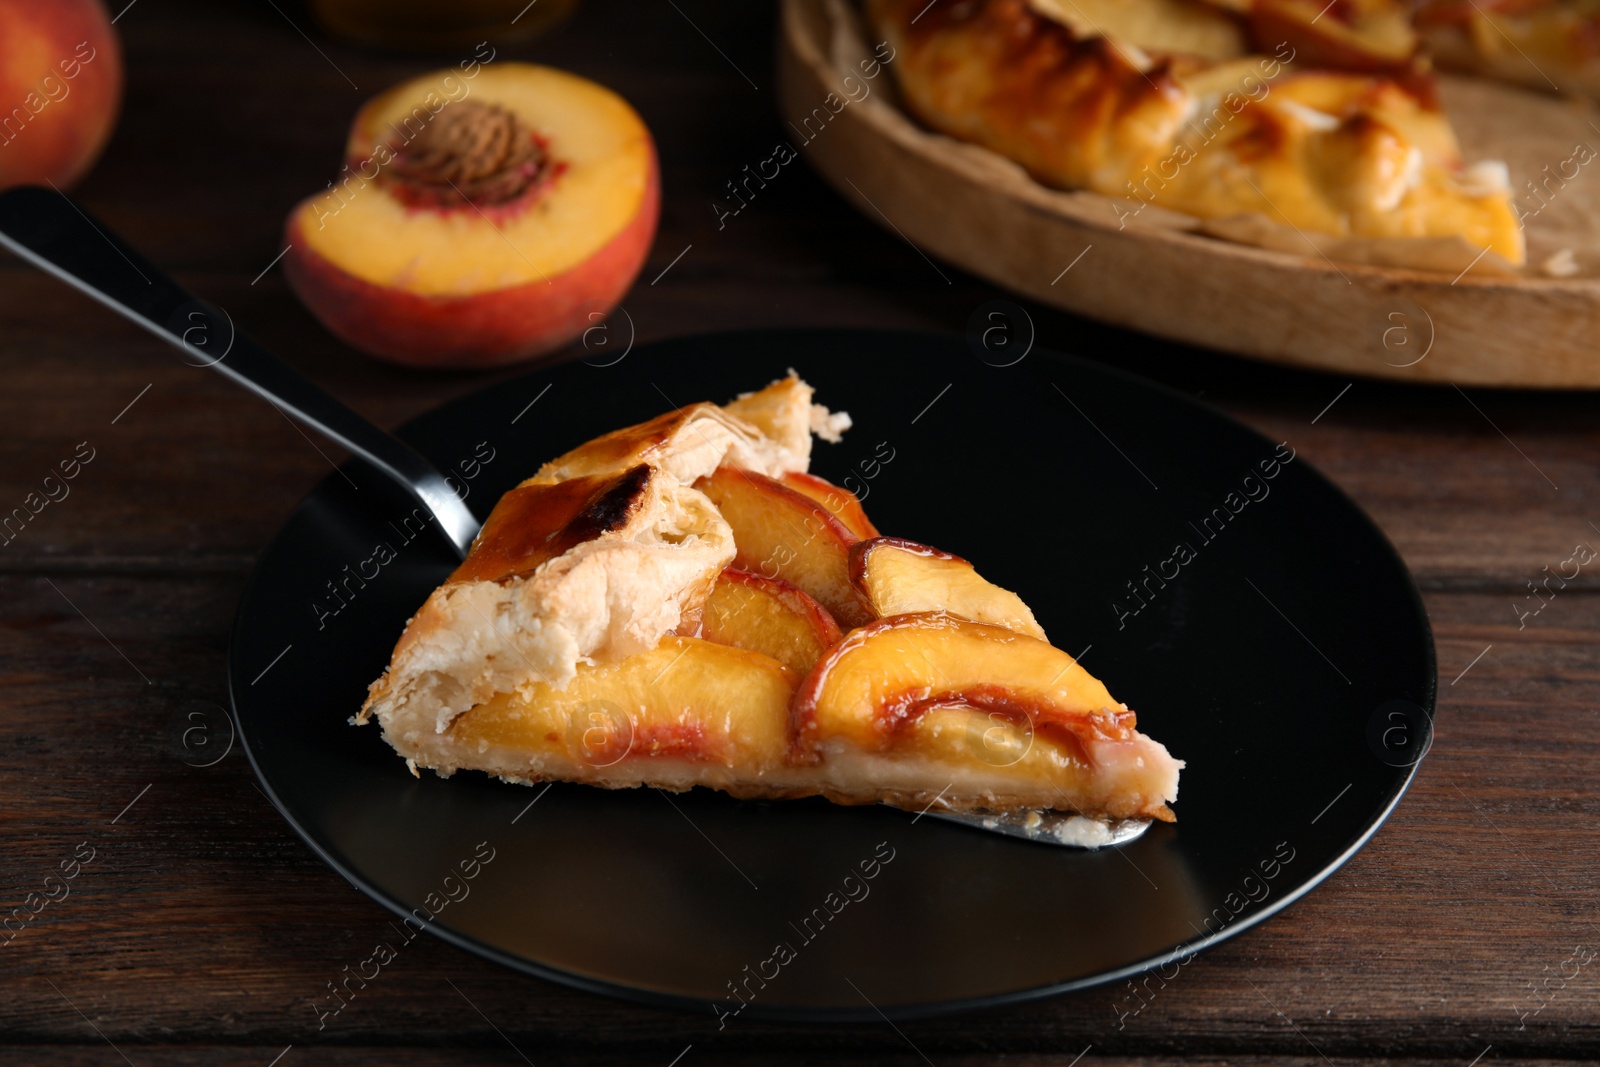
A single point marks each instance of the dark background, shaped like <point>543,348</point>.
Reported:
<point>204,931</point>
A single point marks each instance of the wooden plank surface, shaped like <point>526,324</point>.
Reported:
<point>203,931</point>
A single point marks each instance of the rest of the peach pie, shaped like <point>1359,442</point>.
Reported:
<point>1265,117</point>
<point>681,603</point>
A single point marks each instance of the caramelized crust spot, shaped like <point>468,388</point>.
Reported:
<point>533,524</point>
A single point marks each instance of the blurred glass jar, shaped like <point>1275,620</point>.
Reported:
<point>439,25</point>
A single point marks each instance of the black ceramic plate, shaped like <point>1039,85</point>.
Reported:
<point>1281,650</point>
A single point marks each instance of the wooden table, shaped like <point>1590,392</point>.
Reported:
<point>203,931</point>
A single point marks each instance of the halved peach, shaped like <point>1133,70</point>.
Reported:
<point>781,533</point>
<point>686,699</point>
<point>770,616</point>
<point>480,219</point>
<point>917,685</point>
<point>840,502</point>
<point>898,577</point>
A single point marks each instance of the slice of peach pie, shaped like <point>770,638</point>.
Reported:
<point>679,603</point>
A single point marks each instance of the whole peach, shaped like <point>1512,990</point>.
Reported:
<point>60,89</point>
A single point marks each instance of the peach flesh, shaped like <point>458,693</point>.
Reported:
<point>484,329</point>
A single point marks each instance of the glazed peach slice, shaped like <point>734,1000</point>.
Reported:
<point>841,503</point>
<point>912,703</point>
<point>1163,27</point>
<point>770,616</point>
<point>1360,35</point>
<point>898,577</point>
<point>479,219</point>
<point>781,533</point>
<point>688,712</point>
